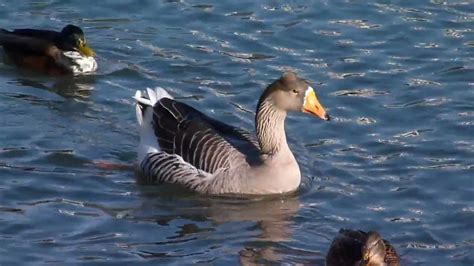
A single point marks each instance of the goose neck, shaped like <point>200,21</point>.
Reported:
<point>270,127</point>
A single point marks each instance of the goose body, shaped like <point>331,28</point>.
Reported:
<point>358,248</point>
<point>179,144</point>
<point>49,52</point>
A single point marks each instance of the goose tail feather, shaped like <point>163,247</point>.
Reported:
<point>144,112</point>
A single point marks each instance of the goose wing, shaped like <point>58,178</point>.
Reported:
<point>199,140</point>
<point>161,167</point>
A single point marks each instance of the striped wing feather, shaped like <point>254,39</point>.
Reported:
<point>162,167</point>
<point>201,141</point>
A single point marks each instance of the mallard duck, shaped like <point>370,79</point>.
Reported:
<point>50,52</point>
<point>354,247</point>
<point>179,144</point>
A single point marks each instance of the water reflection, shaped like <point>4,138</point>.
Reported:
<point>269,219</point>
<point>76,87</point>
<point>272,217</point>
<point>397,75</point>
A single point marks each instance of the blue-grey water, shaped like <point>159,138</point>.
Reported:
<point>397,78</point>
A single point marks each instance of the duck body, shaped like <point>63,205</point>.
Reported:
<point>49,52</point>
<point>359,248</point>
<point>179,144</point>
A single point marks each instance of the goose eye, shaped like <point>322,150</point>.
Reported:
<point>295,91</point>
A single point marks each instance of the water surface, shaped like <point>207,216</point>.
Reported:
<point>398,157</point>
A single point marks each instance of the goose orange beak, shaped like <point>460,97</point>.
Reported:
<point>312,106</point>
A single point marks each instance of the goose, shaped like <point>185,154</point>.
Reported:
<point>355,247</point>
<point>49,52</point>
<point>179,144</point>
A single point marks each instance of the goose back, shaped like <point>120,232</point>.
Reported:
<point>200,140</point>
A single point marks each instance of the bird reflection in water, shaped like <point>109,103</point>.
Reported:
<point>270,219</point>
<point>80,87</point>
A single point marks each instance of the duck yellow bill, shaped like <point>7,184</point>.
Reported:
<point>366,256</point>
<point>85,50</point>
<point>312,106</point>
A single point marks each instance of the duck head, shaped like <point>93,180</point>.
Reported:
<point>73,39</point>
<point>373,251</point>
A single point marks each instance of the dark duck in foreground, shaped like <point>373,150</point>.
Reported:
<point>179,144</point>
<point>49,52</point>
<point>357,248</point>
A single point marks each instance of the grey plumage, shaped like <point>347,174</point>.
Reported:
<point>162,167</point>
<point>179,144</point>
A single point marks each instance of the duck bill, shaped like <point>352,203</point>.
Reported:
<point>365,259</point>
<point>85,50</point>
<point>312,106</point>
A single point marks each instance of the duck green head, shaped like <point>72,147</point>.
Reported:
<point>74,40</point>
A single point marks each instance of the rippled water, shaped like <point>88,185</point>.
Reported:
<point>398,157</point>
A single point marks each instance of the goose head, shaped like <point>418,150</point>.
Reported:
<point>291,93</point>
<point>373,251</point>
<point>73,39</point>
